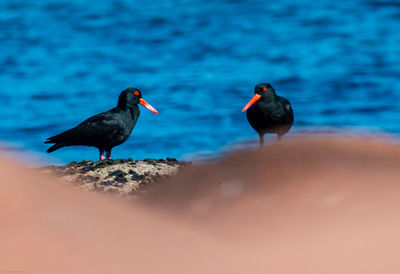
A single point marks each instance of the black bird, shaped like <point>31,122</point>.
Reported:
<point>268,112</point>
<point>107,129</point>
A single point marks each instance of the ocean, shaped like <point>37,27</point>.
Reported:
<point>197,63</point>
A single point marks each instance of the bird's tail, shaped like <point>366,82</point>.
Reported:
<point>54,147</point>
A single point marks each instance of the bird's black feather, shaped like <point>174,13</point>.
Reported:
<point>104,130</point>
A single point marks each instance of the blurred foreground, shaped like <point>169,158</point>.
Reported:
<point>307,206</point>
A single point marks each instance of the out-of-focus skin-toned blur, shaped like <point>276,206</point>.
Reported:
<point>305,206</point>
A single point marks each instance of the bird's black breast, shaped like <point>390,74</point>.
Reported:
<point>120,127</point>
<point>271,117</point>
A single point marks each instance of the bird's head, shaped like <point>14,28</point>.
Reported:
<point>261,91</point>
<point>131,97</point>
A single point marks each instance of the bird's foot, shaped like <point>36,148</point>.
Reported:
<point>102,157</point>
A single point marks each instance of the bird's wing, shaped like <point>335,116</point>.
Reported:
<point>103,124</point>
<point>288,107</point>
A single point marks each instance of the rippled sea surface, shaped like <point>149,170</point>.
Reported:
<point>197,62</point>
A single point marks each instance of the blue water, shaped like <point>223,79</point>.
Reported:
<point>197,62</point>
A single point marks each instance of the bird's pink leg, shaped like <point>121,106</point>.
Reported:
<point>108,154</point>
<point>102,155</point>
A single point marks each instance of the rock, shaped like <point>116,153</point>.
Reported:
<point>126,177</point>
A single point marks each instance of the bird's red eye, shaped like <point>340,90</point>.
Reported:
<point>264,88</point>
<point>136,93</point>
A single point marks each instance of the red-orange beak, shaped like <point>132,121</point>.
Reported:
<point>255,98</point>
<point>147,105</point>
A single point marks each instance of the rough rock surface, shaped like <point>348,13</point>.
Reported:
<point>121,176</point>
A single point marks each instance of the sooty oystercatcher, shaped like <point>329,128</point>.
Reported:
<point>107,129</point>
<point>268,112</point>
